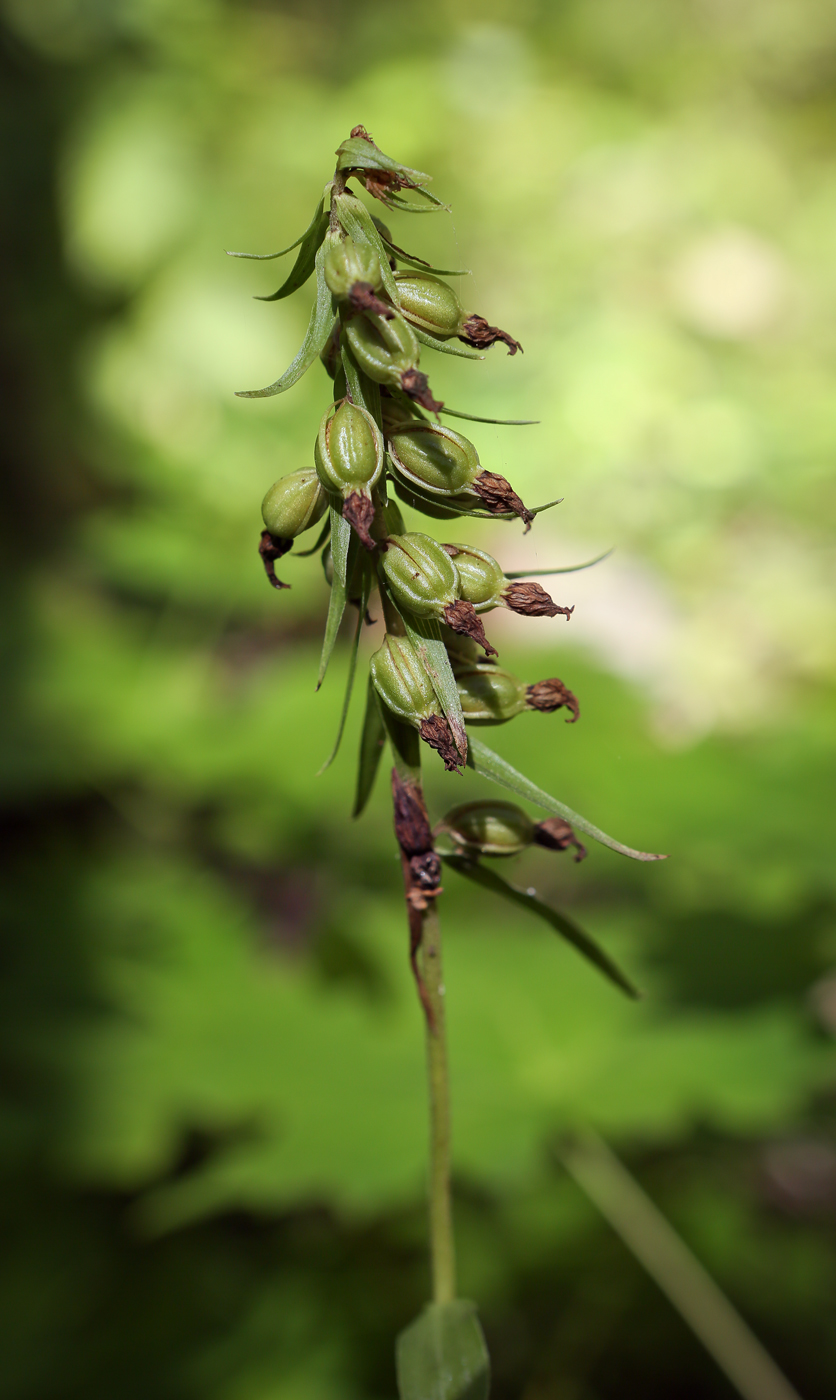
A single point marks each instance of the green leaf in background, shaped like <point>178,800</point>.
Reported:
<point>445,347</point>
<point>343,547</point>
<point>306,260</point>
<point>372,739</point>
<point>564,569</point>
<point>319,329</point>
<point>442,1355</point>
<point>527,899</point>
<point>483,760</point>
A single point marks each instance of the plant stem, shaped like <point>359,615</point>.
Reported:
<point>442,1249</point>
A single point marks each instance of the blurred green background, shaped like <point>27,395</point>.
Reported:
<point>213,1122</point>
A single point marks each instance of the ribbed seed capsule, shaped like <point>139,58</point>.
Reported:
<point>483,583</point>
<point>403,684</point>
<point>489,828</point>
<point>435,307</point>
<point>349,461</point>
<point>347,263</point>
<point>490,695</point>
<point>440,463</point>
<point>293,504</point>
<point>386,349</point>
<point>423,581</point>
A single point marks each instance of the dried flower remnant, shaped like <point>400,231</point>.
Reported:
<point>557,835</point>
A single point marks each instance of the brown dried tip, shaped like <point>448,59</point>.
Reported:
<point>533,601</point>
<point>362,298</point>
<point>557,835</point>
<point>271,548</point>
<point>412,828</point>
<point>361,132</point>
<point>552,695</point>
<point>499,497</point>
<point>417,386</point>
<point>463,618</point>
<point>436,732</point>
<point>478,333</point>
<point>358,510</point>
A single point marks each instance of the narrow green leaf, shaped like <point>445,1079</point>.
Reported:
<point>371,749</point>
<point>359,225</point>
<point>483,760</point>
<point>442,1355</point>
<point>319,329</point>
<point>445,347</point>
<point>365,590</point>
<point>565,569</point>
<point>425,635</point>
<point>503,422</point>
<point>306,258</point>
<point>406,206</point>
<point>527,899</point>
<point>341,548</point>
<point>266,257</point>
<point>420,264</point>
<point>323,536</point>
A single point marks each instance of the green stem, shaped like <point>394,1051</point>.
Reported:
<point>442,1249</point>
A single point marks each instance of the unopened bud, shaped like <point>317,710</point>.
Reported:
<point>403,684</point>
<point>347,263</point>
<point>435,307</point>
<point>489,828</point>
<point>386,349</point>
<point>294,503</point>
<point>349,460</point>
<point>423,581</point>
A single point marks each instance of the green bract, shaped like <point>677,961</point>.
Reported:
<point>349,450</point>
<point>349,262</point>
<point>490,695</point>
<point>294,503</point>
<point>420,574</point>
<point>433,458</point>
<point>428,302</point>
<point>401,680</point>
<point>489,828</point>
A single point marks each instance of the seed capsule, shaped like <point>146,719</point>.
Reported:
<point>423,581</point>
<point>349,461</point>
<point>386,349</point>
<point>440,463</point>
<point>348,263</point>
<point>293,504</point>
<point>435,307</point>
<point>482,583</point>
<point>489,828</point>
<point>490,695</point>
<point>403,684</point>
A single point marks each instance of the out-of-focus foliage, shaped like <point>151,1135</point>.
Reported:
<point>214,1132</point>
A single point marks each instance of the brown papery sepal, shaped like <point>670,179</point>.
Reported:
<point>362,297</point>
<point>532,600</point>
<point>480,335</point>
<point>436,732</point>
<point>552,695</point>
<point>557,835</point>
<point>358,510</point>
<point>463,618</point>
<point>417,386</point>
<point>271,548</point>
<point>499,496</point>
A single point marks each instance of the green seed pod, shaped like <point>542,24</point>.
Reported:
<point>403,684</point>
<point>433,458</point>
<point>347,263</point>
<point>489,828</point>
<point>423,581</point>
<point>293,504</point>
<point>429,303</point>
<point>384,348</point>
<point>481,580</point>
<point>349,450</point>
<point>490,695</point>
